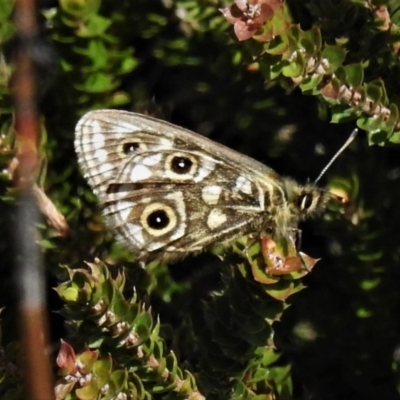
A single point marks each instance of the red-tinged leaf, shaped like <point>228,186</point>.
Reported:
<point>244,31</point>
<point>278,258</point>
<point>231,13</point>
<point>268,246</point>
<point>308,262</point>
<point>283,258</point>
<point>66,359</point>
<point>330,91</point>
<point>290,264</point>
<point>248,16</point>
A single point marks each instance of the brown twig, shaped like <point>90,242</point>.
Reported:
<point>53,217</point>
<point>30,276</point>
<point>46,207</point>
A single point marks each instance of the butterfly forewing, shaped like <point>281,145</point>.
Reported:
<point>105,142</point>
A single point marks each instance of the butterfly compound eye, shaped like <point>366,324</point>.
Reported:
<point>306,201</point>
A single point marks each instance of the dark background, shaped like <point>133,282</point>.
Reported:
<point>341,334</point>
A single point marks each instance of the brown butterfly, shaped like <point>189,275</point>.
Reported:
<point>167,192</point>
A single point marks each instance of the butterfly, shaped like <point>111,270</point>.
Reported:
<point>168,192</point>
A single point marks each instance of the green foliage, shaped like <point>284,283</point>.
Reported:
<point>334,71</point>
<point>130,357</point>
<point>220,328</point>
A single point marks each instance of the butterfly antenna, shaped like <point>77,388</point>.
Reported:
<point>340,151</point>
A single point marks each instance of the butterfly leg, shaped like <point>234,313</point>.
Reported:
<point>298,234</point>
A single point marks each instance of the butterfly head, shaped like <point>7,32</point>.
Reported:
<point>305,201</point>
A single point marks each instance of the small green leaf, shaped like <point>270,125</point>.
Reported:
<point>88,392</point>
<point>364,313</point>
<point>260,275</point>
<point>94,26</point>
<point>377,137</point>
<point>68,294</point>
<point>119,380</point>
<point>257,338</point>
<point>6,7</point>
<point>342,113</point>
<point>128,64</point>
<point>280,373</point>
<point>98,83</point>
<point>354,74</point>
<point>370,284</point>
<point>334,57</point>
<point>277,46</point>
<point>80,8</point>
<point>270,66</point>
<point>395,138</point>
<point>143,324</point>
<point>7,30</point>
<point>281,290</point>
<point>269,355</point>
<point>370,256</point>
<point>310,85</point>
<point>294,67</point>
<point>102,368</point>
<point>311,41</point>
<point>374,92</point>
